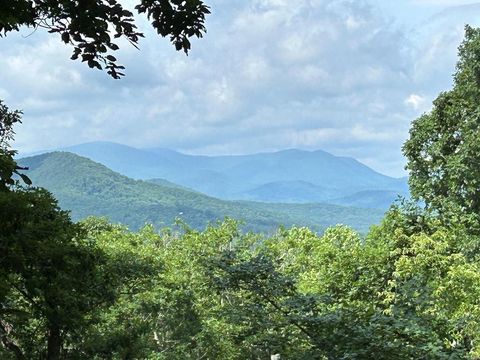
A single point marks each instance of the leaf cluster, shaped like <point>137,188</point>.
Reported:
<point>91,27</point>
<point>8,166</point>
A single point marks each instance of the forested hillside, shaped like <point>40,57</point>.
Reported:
<point>88,188</point>
<point>291,176</point>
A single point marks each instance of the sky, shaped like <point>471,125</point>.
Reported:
<point>344,76</point>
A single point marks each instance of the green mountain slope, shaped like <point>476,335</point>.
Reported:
<point>170,184</point>
<point>88,188</point>
<point>285,176</point>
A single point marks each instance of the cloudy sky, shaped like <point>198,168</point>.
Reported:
<point>347,77</point>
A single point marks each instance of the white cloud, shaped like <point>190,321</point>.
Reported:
<point>415,101</point>
<point>270,74</point>
<point>353,23</point>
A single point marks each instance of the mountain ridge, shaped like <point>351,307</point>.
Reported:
<point>248,177</point>
<point>88,188</point>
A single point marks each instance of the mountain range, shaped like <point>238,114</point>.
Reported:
<point>289,176</point>
<point>86,187</point>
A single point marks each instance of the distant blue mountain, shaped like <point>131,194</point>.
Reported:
<point>292,176</point>
<point>87,188</point>
<point>373,199</point>
<point>290,192</point>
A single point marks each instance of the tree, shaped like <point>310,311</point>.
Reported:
<point>53,278</point>
<point>49,281</point>
<point>58,284</point>
<point>8,166</point>
<point>87,25</point>
<point>394,295</point>
<point>443,150</point>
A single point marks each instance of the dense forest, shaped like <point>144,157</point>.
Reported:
<point>409,289</point>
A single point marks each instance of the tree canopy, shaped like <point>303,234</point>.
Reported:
<point>443,150</point>
<point>91,27</point>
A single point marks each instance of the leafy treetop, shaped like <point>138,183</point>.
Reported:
<point>443,150</point>
<point>88,25</point>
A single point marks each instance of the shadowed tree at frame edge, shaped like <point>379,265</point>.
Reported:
<point>48,277</point>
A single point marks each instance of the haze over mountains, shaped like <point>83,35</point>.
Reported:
<point>88,188</point>
<point>289,176</point>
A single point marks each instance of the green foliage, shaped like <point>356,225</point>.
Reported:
<point>164,307</point>
<point>8,166</point>
<point>123,321</point>
<point>393,295</point>
<point>407,290</point>
<point>88,26</point>
<point>7,120</point>
<point>47,278</point>
<point>443,149</point>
